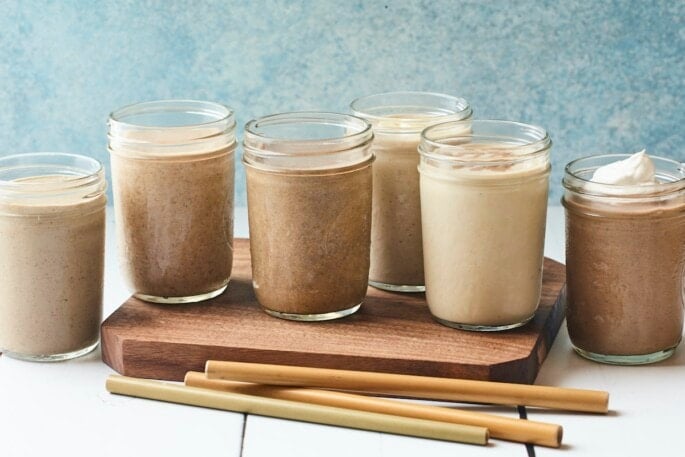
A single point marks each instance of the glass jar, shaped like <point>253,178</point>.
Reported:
<point>625,262</point>
<point>173,178</point>
<point>397,119</point>
<point>309,185</point>
<point>484,188</point>
<point>52,240</point>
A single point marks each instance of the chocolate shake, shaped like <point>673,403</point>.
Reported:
<point>625,254</point>
<point>309,187</point>
<point>398,119</point>
<point>173,199</point>
<point>52,236</point>
<point>484,203</point>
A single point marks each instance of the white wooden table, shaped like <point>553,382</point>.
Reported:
<point>63,408</point>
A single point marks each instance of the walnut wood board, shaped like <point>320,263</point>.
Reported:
<point>391,332</point>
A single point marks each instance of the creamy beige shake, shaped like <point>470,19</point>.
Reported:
<point>398,119</point>
<point>51,268</point>
<point>483,211</point>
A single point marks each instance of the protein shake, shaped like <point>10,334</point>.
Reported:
<point>483,204</point>
<point>398,119</point>
<point>52,236</point>
<point>309,186</point>
<point>173,178</point>
<point>625,254</point>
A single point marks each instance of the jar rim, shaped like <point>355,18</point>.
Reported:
<point>573,181</point>
<point>217,112</point>
<point>440,148</point>
<point>379,107</point>
<point>256,141</point>
<point>83,171</point>
<point>307,117</point>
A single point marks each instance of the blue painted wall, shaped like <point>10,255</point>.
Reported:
<point>599,75</point>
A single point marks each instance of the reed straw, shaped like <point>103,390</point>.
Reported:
<point>412,386</point>
<point>505,428</point>
<point>285,409</point>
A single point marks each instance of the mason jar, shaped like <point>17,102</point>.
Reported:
<point>52,242</point>
<point>625,262</point>
<point>309,184</point>
<point>397,119</point>
<point>484,187</point>
<point>173,178</point>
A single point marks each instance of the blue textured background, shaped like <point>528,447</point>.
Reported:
<point>599,75</point>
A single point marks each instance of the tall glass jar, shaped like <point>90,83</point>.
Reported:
<point>52,242</point>
<point>309,184</point>
<point>173,173</point>
<point>625,263</point>
<point>398,119</point>
<point>484,204</point>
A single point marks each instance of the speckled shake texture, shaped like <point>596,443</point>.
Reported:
<point>174,220</point>
<point>625,277</point>
<point>51,276</point>
<point>310,236</point>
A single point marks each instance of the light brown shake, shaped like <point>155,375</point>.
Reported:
<point>396,245</point>
<point>309,239</point>
<point>309,190</point>
<point>173,178</point>
<point>174,221</point>
<point>396,242</point>
<point>51,273</point>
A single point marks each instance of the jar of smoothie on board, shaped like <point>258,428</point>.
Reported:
<point>484,189</point>
<point>52,245</point>
<point>173,174</point>
<point>625,256</point>
<point>309,185</point>
<point>397,119</point>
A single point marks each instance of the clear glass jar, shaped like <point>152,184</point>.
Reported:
<point>484,187</point>
<point>173,177</point>
<point>397,119</point>
<point>52,240</point>
<point>625,263</point>
<point>309,184</point>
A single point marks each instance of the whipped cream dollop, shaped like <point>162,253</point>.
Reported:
<point>636,170</point>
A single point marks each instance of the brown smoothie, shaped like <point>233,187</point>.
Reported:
<point>310,235</point>
<point>174,220</point>
<point>625,270</point>
<point>51,274</point>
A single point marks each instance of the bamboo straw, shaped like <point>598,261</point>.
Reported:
<point>412,386</point>
<point>285,409</point>
<point>505,428</point>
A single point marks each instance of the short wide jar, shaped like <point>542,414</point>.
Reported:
<point>397,119</point>
<point>52,243</point>
<point>309,184</point>
<point>483,205</point>
<point>625,263</point>
<point>173,176</point>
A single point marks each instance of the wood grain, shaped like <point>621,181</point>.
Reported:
<point>391,333</point>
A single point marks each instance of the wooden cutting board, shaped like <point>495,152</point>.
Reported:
<point>391,332</point>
